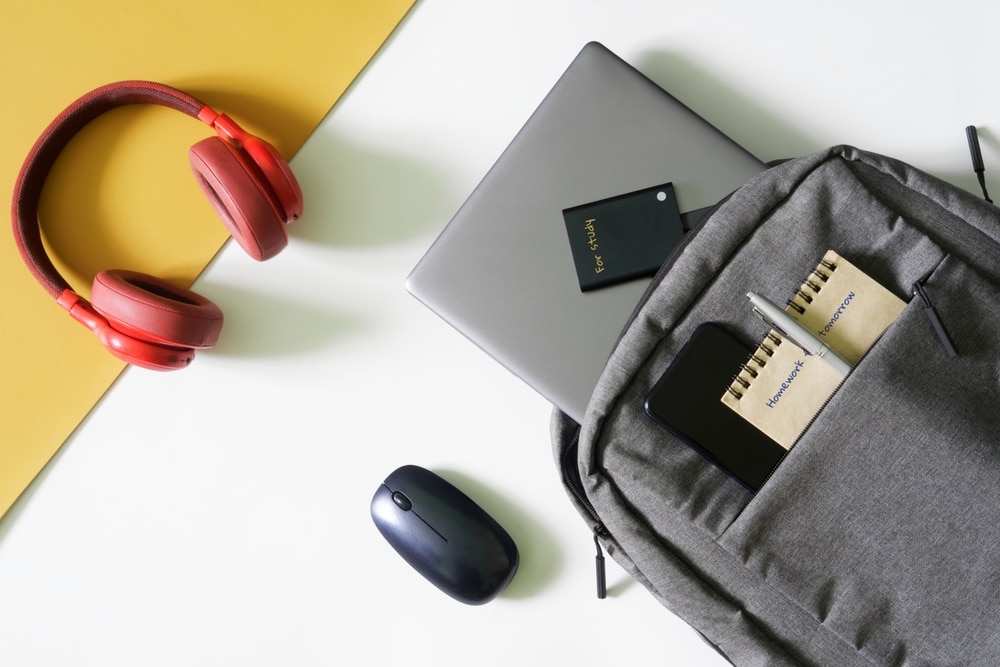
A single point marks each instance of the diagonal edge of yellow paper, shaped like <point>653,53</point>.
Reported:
<point>121,195</point>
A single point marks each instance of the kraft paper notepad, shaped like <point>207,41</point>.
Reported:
<point>121,195</point>
<point>781,388</point>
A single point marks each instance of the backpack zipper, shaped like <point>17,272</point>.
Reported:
<point>571,480</point>
<point>935,319</point>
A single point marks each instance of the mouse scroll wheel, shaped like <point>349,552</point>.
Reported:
<point>402,501</point>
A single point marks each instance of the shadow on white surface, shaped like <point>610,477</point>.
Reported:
<point>751,123</point>
<point>275,325</point>
<point>362,185</point>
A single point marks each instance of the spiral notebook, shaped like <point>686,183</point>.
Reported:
<point>780,389</point>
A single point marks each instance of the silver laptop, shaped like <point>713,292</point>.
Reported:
<point>502,271</point>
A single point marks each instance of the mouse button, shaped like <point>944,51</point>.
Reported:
<point>428,493</point>
<point>405,531</point>
<point>402,502</point>
<point>443,506</point>
<point>383,508</point>
<point>387,513</point>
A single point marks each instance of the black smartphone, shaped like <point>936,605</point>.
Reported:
<point>687,401</point>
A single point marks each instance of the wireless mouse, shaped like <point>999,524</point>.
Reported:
<point>444,535</point>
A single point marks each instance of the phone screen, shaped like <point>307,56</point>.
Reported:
<point>687,401</point>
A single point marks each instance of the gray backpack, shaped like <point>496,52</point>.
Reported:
<point>876,540</point>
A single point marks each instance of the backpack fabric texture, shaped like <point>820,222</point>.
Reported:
<point>875,541</point>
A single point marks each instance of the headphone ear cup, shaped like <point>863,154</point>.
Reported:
<point>279,176</point>
<point>151,309</point>
<point>234,188</point>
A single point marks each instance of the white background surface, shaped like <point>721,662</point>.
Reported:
<point>219,515</point>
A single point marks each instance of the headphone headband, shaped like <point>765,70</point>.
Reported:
<point>142,319</point>
<point>41,158</point>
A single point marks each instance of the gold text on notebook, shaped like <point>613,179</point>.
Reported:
<point>591,233</point>
<point>592,243</point>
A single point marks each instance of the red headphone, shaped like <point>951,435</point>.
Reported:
<point>141,319</point>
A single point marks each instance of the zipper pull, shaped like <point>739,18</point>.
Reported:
<point>936,323</point>
<point>977,159</point>
<point>602,579</point>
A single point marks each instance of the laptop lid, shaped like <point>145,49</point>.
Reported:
<point>502,271</point>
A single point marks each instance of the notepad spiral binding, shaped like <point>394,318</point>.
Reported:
<point>753,366</point>
<point>799,302</point>
<point>805,294</point>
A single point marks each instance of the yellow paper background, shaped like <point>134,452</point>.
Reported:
<point>122,195</point>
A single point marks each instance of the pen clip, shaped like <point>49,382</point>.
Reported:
<point>769,323</point>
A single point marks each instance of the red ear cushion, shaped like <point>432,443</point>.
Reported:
<point>278,174</point>
<point>151,309</point>
<point>243,204</point>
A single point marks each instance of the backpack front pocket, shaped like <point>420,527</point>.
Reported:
<point>881,521</point>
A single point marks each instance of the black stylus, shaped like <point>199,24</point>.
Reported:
<point>977,159</point>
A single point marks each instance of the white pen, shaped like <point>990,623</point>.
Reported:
<point>790,328</point>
